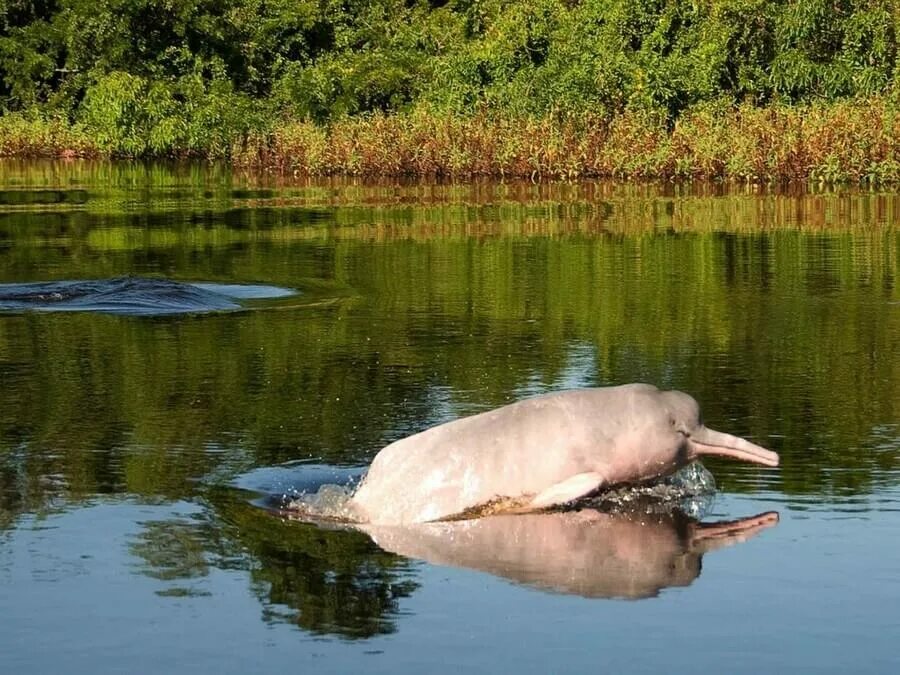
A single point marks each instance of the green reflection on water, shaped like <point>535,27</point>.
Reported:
<point>778,312</point>
<point>322,580</point>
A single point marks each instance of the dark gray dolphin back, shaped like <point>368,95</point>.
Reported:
<point>135,296</point>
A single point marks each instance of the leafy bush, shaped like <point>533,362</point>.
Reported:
<point>133,116</point>
<point>209,77</point>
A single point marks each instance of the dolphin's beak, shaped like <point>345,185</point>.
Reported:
<point>704,441</point>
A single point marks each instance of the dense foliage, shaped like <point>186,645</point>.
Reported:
<point>200,76</point>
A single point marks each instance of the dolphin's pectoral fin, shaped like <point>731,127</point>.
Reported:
<point>579,485</point>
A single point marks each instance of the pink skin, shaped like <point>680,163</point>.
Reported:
<point>541,452</point>
<point>585,552</point>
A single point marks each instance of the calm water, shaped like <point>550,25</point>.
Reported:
<point>135,451</point>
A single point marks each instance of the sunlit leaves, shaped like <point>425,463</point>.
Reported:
<point>261,61</point>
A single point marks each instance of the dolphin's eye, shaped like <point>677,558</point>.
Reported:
<point>680,428</point>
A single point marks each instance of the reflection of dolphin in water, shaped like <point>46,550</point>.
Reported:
<point>585,552</point>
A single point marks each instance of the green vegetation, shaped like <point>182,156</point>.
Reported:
<point>742,89</point>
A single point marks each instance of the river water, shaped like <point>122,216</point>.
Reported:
<point>141,450</point>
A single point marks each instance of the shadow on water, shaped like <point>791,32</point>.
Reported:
<point>133,296</point>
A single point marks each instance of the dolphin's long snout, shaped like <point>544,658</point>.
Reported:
<point>706,441</point>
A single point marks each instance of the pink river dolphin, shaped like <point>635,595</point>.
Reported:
<point>539,453</point>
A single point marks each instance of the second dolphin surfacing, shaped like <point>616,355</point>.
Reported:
<point>541,452</point>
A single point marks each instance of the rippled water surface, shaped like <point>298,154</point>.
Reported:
<point>143,454</point>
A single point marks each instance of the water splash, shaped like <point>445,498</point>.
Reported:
<point>330,502</point>
<point>689,490</point>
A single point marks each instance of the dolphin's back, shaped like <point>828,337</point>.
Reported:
<point>513,452</point>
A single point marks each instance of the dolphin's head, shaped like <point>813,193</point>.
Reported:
<point>694,440</point>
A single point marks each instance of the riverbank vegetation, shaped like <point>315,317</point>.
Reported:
<point>754,90</point>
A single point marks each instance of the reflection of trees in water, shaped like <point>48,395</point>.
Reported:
<point>13,499</point>
<point>324,581</point>
<point>298,587</point>
<point>784,332</point>
<point>173,549</point>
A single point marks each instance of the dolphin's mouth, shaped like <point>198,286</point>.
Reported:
<point>706,441</point>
